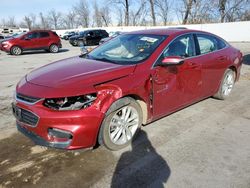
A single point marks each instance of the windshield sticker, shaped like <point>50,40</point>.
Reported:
<point>149,39</point>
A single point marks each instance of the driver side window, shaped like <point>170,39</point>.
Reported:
<point>32,35</point>
<point>183,46</point>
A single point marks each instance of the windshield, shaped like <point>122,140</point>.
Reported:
<point>18,35</point>
<point>81,33</point>
<point>128,48</point>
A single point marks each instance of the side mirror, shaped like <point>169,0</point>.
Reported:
<point>26,38</point>
<point>174,60</point>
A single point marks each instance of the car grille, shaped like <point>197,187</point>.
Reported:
<point>29,118</point>
<point>26,98</point>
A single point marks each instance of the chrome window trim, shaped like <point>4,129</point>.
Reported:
<point>192,33</point>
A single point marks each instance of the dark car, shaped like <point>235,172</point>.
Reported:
<point>1,37</point>
<point>111,36</point>
<point>136,78</point>
<point>88,37</point>
<point>67,35</point>
<point>33,40</point>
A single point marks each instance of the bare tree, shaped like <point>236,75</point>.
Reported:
<point>163,8</point>
<point>54,18</point>
<point>69,20</point>
<point>97,17</point>
<point>222,7</point>
<point>137,15</point>
<point>28,22</point>
<point>43,21</point>
<point>202,12</point>
<point>246,15</point>
<point>124,4</point>
<point>152,8</point>
<point>187,9</point>
<point>105,14</point>
<point>120,17</point>
<point>82,12</point>
<point>10,22</point>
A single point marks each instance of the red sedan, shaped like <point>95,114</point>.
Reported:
<point>106,95</point>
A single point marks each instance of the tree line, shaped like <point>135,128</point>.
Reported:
<point>88,13</point>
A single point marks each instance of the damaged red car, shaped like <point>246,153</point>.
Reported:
<point>106,95</point>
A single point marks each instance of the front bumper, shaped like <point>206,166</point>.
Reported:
<point>3,48</point>
<point>40,141</point>
<point>83,125</point>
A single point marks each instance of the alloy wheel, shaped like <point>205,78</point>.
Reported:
<point>123,125</point>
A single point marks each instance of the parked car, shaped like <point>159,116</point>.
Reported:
<point>111,36</point>
<point>67,35</point>
<point>33,40</point>
<point>105,96</point>
<point>88,37</point>
<point>1,37</point>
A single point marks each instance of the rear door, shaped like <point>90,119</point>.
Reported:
<point>213,61</point>
<point>178,85</point>
<point>43,39</point>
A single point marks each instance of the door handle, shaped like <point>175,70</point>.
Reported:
<point>193,65</point>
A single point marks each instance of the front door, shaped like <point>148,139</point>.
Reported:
<point>29,41</point>
<point>178,85</point>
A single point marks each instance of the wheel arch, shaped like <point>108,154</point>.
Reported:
<point>14,45</point>
<point>233,68</point>
<point>143,106</point>
<point>113,107</point>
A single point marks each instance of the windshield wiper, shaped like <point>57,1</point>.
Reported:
<point>105,59</point>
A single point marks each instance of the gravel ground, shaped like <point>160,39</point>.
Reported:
<point>203,145</point>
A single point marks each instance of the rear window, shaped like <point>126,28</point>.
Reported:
<point>44,34</point>
<point>207,43</point>
<point>55,34</point>
<point>221,44</point>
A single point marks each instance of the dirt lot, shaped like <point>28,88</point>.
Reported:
<point>204,145</point>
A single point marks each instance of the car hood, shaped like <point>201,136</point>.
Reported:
<point>77,73</point>
<point>6,39</point>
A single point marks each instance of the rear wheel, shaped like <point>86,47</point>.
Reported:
<point>226,85</point>
<point>16,50</point>
<point>121,125</point>
<point>53,48</point>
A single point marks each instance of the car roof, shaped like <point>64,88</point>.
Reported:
<point>40,30</point>
<point>166,31</point>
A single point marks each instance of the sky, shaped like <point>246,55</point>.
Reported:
<point>20,8</point>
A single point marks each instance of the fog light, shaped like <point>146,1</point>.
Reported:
<point>59,135</point>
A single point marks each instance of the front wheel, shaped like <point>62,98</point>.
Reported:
<point>53,48</point>
<point>121,125</point>
<point>226,85</point>
<point>16,50</point>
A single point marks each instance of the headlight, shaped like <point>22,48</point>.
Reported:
<point>5,42</point>
<point>70,103</point>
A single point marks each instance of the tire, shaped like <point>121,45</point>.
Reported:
<point>53,48</point>
<point>75,43</point>
<point>16,50</point>
<point>226,85</point>
<point>115,133</point>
